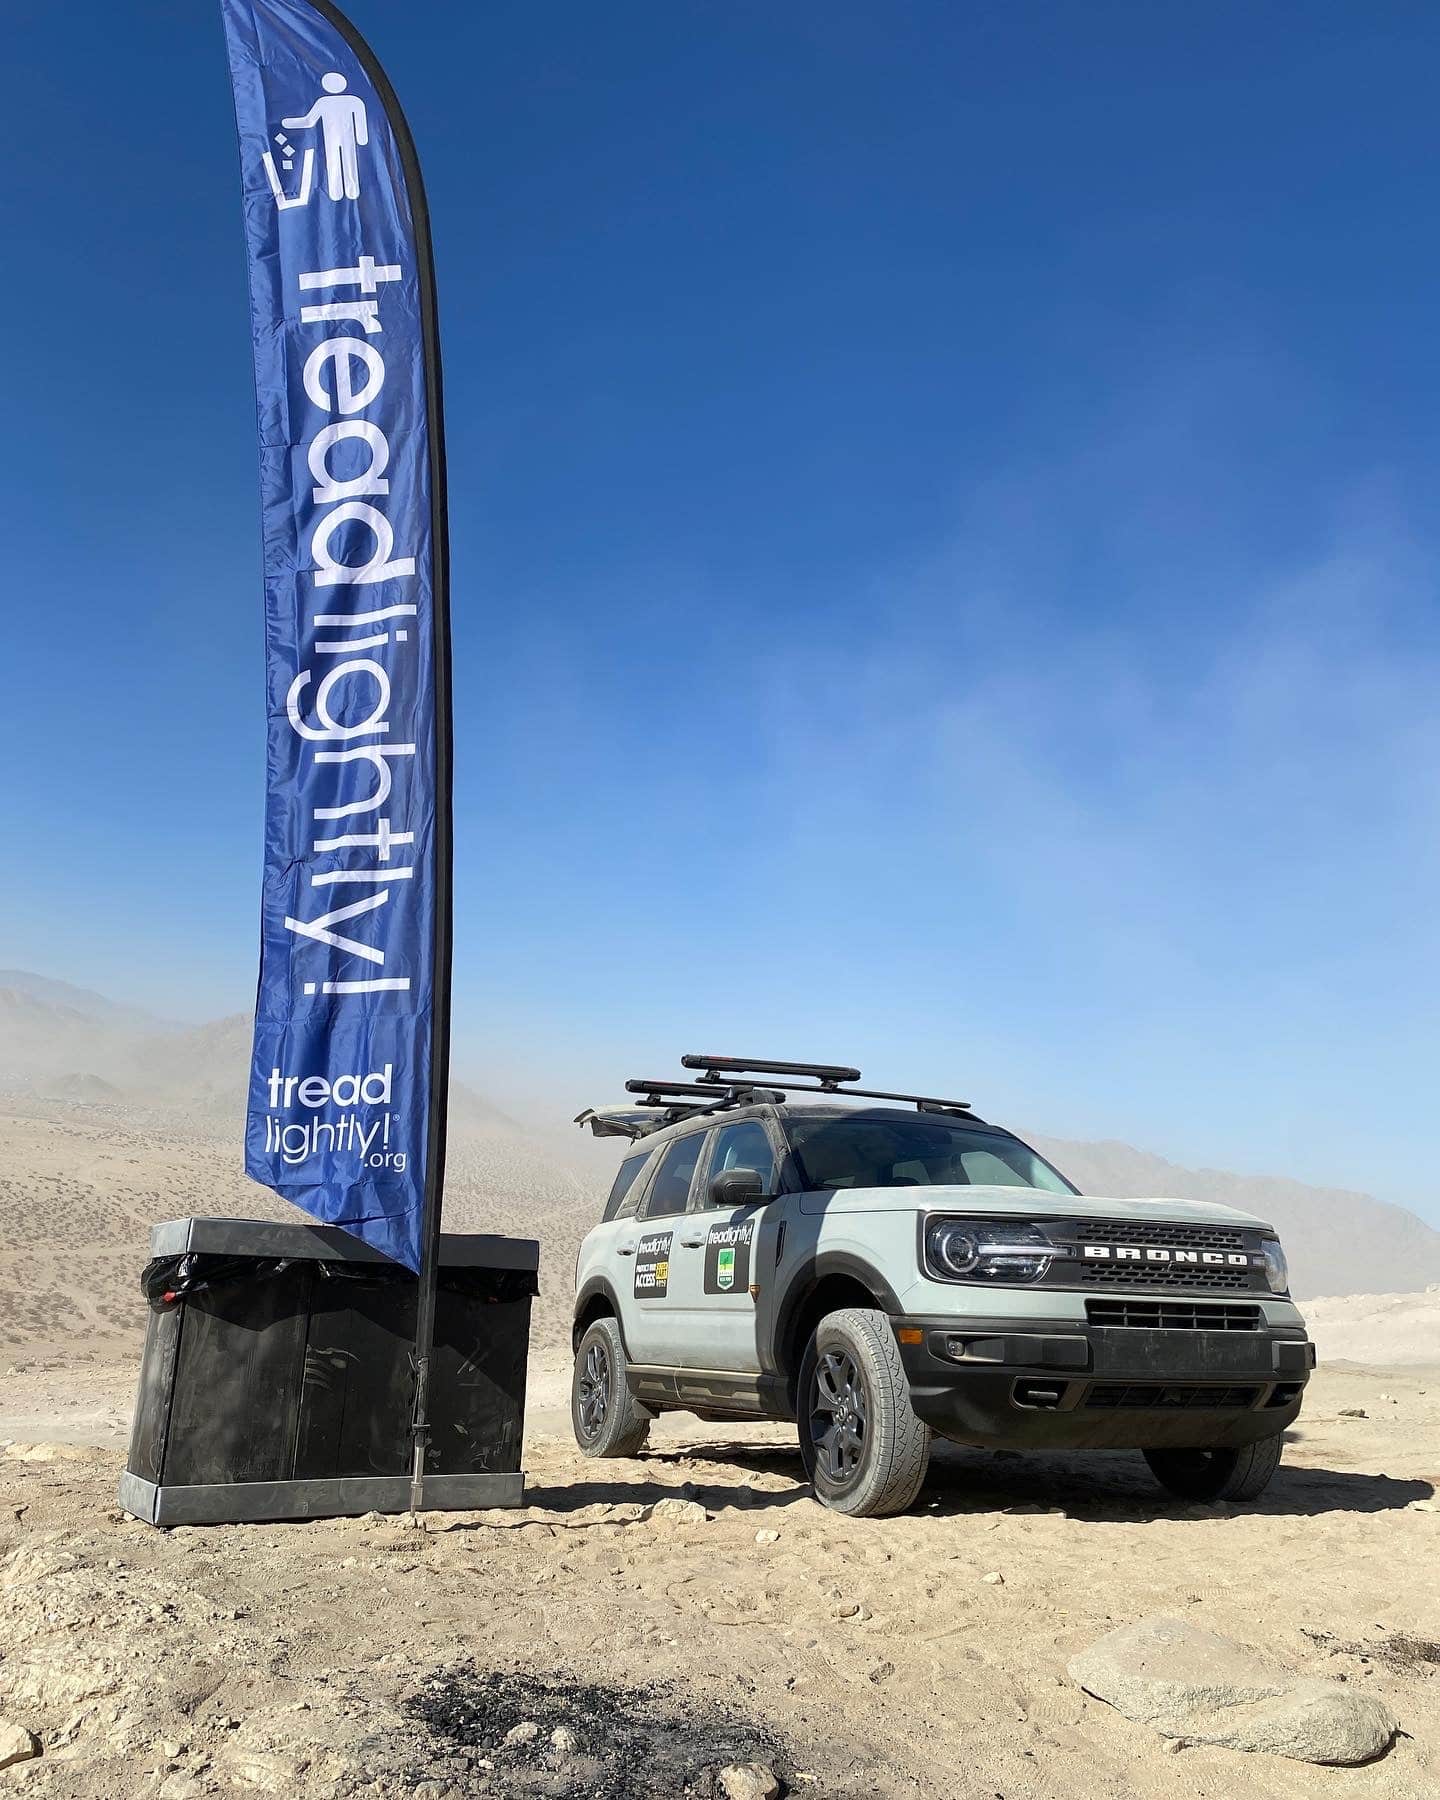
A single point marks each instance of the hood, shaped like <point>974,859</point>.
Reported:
<point>1024,1203</point>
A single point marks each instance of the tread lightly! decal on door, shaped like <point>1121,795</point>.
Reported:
<point>727,1257</point>
<point>652,1265</point>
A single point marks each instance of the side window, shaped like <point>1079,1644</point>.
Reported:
<point>624,1195</point>
<point>671,1187</point>
<point>745,1145</point>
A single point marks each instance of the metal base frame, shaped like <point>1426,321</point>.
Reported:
<point>253,1502</point>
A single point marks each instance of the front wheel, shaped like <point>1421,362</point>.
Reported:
<point>605,1416</point>
<point>1217,1474</point>
<point>863,1448</point>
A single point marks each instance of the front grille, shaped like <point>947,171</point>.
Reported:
<point>1210,1277</point>
<point>1173,1315</point>
<point>1164,1275</point>
<point>1173,1237</point>
<point>1113,1395</point>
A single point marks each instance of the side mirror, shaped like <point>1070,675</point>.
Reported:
<point>736,1187</point>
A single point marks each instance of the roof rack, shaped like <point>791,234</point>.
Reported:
<point>921,1102</point>
<point>684,1090</point>
<point>827,1074</point>
<point>828,1079</point>
<point>722,1084</point>
<point>686,1097</point>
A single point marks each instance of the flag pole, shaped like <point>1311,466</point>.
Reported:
<point>434,1189</point>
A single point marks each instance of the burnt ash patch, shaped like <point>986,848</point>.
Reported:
<point>646,1742</point>
<point>1402,1651</point>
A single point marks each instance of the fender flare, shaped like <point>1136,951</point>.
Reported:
<point>598,1285</point>
<point>806,1276</point>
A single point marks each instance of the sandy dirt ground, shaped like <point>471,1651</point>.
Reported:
<point>1383,1329</point>
<point>857,1658</point>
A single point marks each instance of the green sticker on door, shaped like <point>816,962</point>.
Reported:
<point>727,1257</point>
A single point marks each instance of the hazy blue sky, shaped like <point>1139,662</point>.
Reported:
<point>945,547</point>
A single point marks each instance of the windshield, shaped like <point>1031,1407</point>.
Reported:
<point>863,1150</point>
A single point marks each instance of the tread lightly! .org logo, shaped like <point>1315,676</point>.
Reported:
<point>365,1135</point>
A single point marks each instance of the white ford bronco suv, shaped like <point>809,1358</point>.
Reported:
<point>878,1267</point>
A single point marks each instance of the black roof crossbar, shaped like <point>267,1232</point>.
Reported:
<point>722,1071</point>
<point>922,1102</point>
<point>715,1067</point>
<point>688,1089</point>
<point>689,1093</point>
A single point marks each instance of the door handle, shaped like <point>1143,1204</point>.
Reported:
<point>693,1243</point>
<point>625,1249</point>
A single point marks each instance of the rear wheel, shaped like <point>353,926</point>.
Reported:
<point>1217,1474</point>
<point>863,1447</point>
<point>606,1417</point>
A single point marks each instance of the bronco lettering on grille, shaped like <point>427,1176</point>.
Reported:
<point>1231,1259</point>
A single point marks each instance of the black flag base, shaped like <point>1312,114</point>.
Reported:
<point>279,1378</point>
<point>350,1497</point>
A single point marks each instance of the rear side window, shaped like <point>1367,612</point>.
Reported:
<point>624,1195</point>
<point>670,1189</point>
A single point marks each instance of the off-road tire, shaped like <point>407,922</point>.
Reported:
<point>891,1449</point>
<point>618,1425</point>
<point>1217,1474</point>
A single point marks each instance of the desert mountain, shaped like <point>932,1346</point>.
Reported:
<point>81,1002</point>
<point>50,1030</point>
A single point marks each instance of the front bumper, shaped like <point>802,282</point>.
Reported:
<point>1068,1384</point>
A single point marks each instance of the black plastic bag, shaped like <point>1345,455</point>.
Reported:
<point>167,1280</point>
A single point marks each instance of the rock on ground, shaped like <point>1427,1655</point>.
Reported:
<point>748,1781</point>
<point>1194,1684</point>
<point>16,1744</point>
<point>678,1512</point>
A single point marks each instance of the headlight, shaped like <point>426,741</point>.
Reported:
<point>1277,1272</point>
<point>961,1250</point>
<point>951,1248</point>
